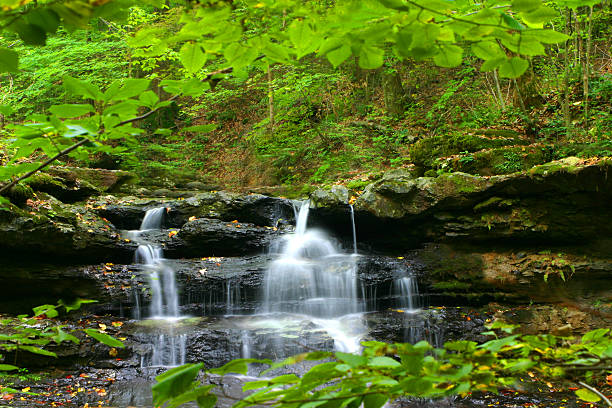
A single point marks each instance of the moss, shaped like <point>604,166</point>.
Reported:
<point>357,184</point>
<point>20,193</point>
<point>426,152</point>
<point>451,285</point>
<point>443,263</point>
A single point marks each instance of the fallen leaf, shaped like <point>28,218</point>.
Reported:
<point>112,352</point>
<point>192,218</point>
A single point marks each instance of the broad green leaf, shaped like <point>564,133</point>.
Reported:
<point>487,50</point>
<point>338,55</point>
<point>174,382</point>
<point>62,336</point>
<point>370,57</point>
<point>239,366</point>
<point>526,5</point>
<point>148,99</point>
<point>374,400</point>
<point>47,310</point>
<point>587,395</point>
<point>239,56</point>
<point>547,36</point>
<point>6,110</point>
<point>276,52</point>
<point>594,335</point>
<point>76,304</point>
<point>513,67</point>
<point>540,15</point>
<point>31,34</point>
<point>199,394</point>
<point>46,19</point>
<point>9,60</point>
<point>354,360</point>
<point>512,23</point>
<point>384,362</point>
<point>104,338</point>
<point>82,88</point>
<point>8,367</point>
<point>124,89</point>
<point>303,38</point>
<point>38,350</point>
<point>124,110</point>
<point>71,110</point>
<point>449,56</point>
<point>192,57</point>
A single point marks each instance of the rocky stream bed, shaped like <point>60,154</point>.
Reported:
<point>531,247</point>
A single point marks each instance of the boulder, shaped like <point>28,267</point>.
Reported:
<point>61,232</point>
<point>558,202</point>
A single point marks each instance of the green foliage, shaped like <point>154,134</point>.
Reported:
<point>384,372</point>
<point>25,333</point>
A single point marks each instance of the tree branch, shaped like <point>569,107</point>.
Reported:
<point>596,391</point>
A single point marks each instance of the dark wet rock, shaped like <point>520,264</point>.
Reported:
<point>127,212</point>
<point>33,284</point>
<point>334,195</point>
<point>211,237</point>
<point>558,202</point>
<point>71,184</point>
<point>63,233</point>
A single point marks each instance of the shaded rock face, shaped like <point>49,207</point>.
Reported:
<point>257,209</point>
<point>559,202</point>
<point>63,233</point>
<point>72,184</point>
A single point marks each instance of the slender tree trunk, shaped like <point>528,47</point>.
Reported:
<point>499,92</point>
<point>587,68</point>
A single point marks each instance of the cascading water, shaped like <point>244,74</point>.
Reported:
<point>312,279</point>
<point>406,290</point>
<point>168,348</point>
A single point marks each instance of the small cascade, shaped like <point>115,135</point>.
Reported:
<point>406,290</point>
<point>312,279</point>
<point>168,348</point>
<point>354,230</point>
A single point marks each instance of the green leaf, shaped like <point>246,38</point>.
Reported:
<point>38,350</point>
<point>594,335</point>
<point>8,367</point>
<point>82,88</point>
<point>76,304</point>
<point>71,110</point>
<point>192,57</point>
<point>174,382</point>
<point>512,23</point>
<point>46,19</point>
<point>47,310</point>
<point>338,55</point>
<point>62,336</point>
<point>548,36</point>
<point>374,400</point>
<point>31,34</point>
<point>148,99</point>
<point>587,395</point>
<point>353,360</point>
<point>487,50</point>
<point>540,15</point>
<point>526,5</point>
<point>124,89</point>
<point>449,56</point>
<point>276,52</point>
<point>384,362</point>
<point>303,38</point>
<point>370,57</point>
<point>104,338</point>
<point>239,366</point>
<point>513,67</point>
<point>9,60</point>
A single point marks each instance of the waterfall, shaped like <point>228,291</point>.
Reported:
<point>406,290</point>
<point>354,230</point>
<point>168,348</point>
<point>311,277</point>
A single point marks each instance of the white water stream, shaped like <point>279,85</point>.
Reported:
<point>168,348</point>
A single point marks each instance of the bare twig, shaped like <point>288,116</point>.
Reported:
<point>596,391</point>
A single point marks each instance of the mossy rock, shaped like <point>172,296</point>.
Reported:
<point>425,152</point>
<point>19,194</point>
<point>504,160</point>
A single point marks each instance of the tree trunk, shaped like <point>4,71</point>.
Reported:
<point>394,93</point>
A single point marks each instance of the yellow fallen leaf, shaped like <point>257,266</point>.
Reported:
<point>235,221</point>
<point>172,233</point>
<point>192,218</point>
<point>26,389</point>
<point>102,326</point>
<point>112,352</point>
